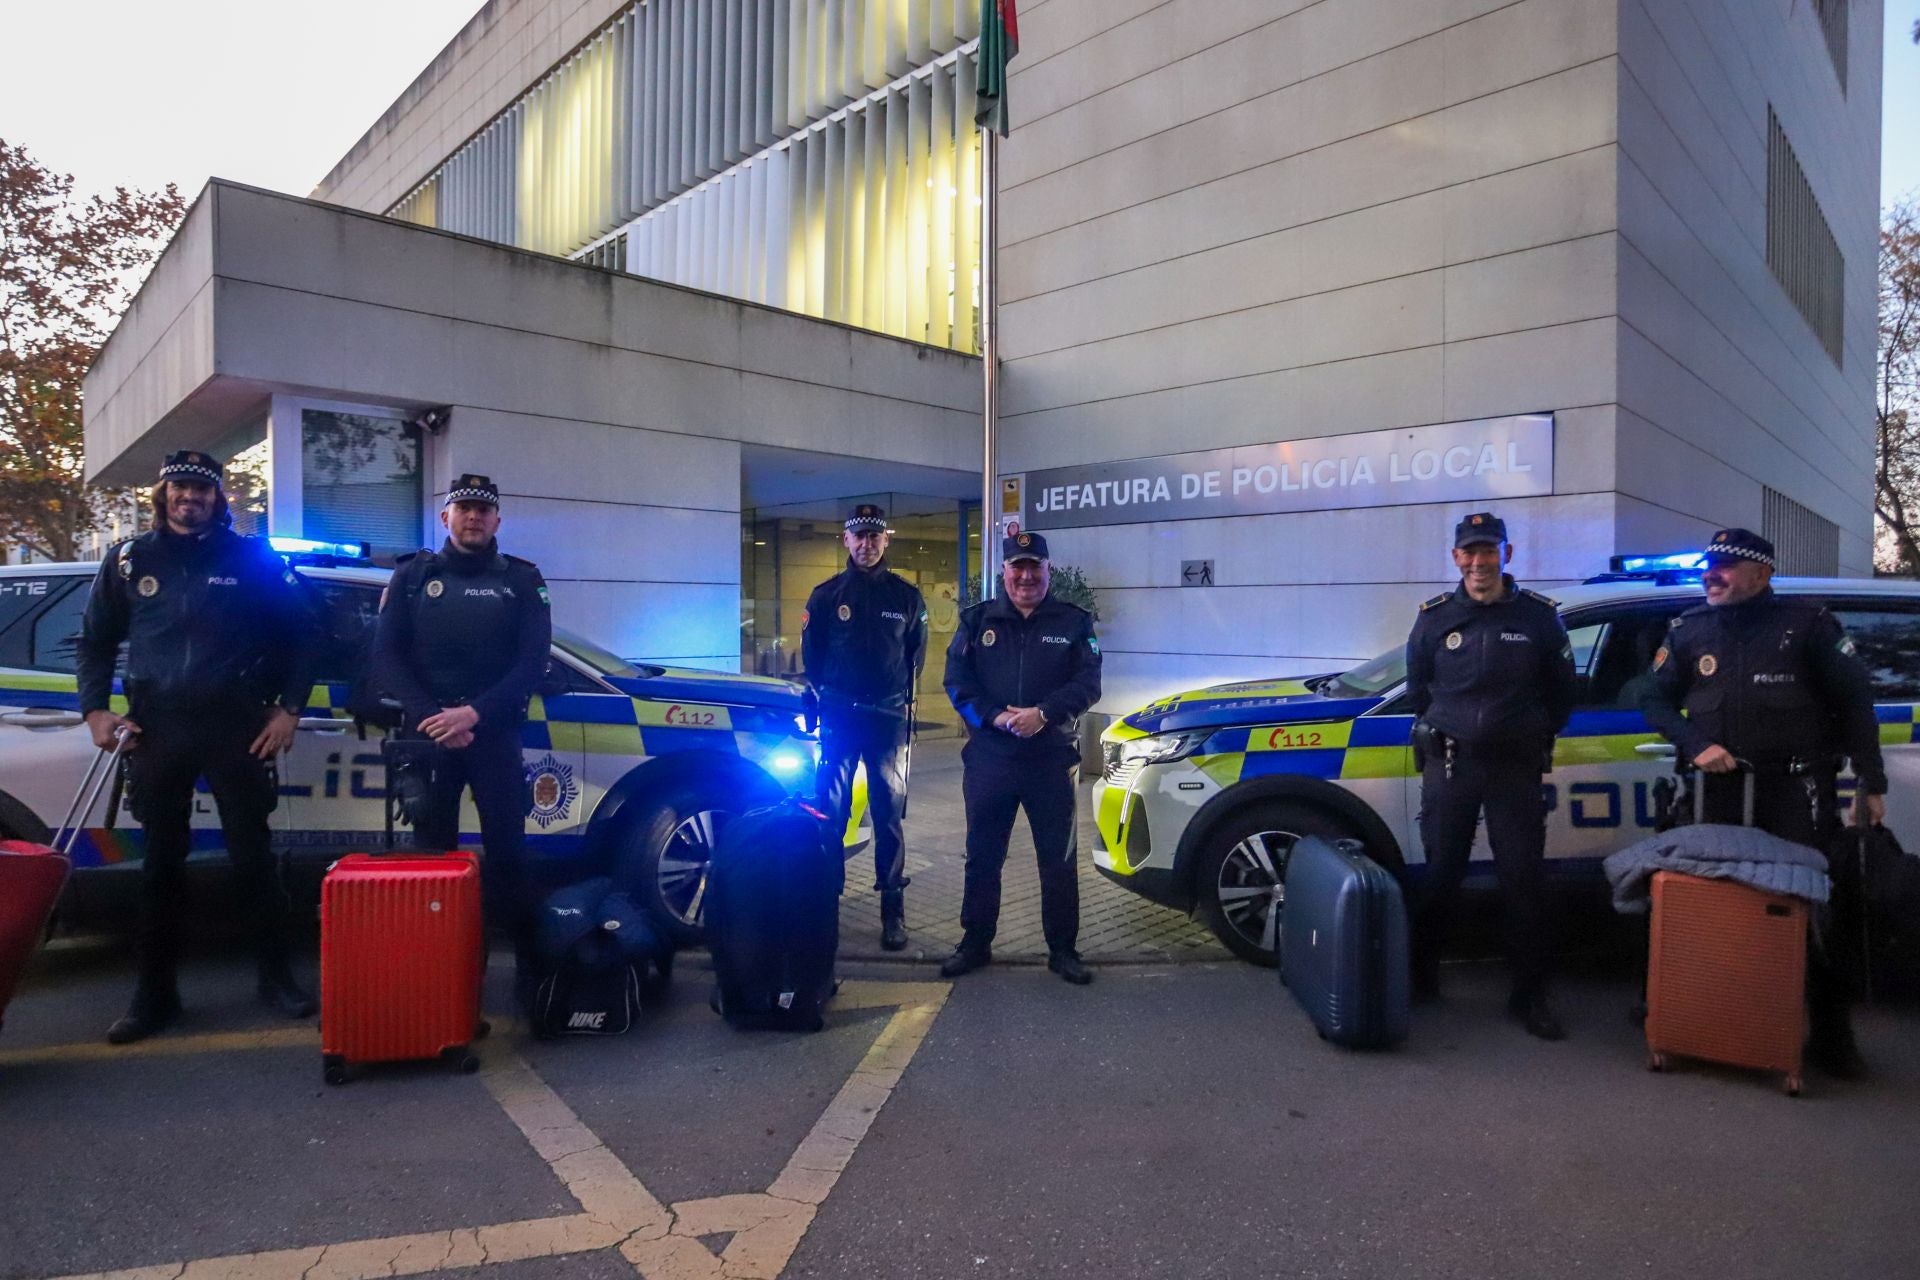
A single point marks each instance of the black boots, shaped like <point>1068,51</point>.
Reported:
<point>1067,964</point>
<point>279,992</point>
<point>965,959</point>
<point>1531,1010</point>
<point>893,920</point>
<point>155,1007</point>
<point>1831,1048</point>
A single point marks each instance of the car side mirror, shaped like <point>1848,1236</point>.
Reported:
<point>553,680</point>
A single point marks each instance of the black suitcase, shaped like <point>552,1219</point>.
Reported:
<point>1343,943</point>
<point>773,917</point>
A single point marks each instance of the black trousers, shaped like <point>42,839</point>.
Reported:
<point>1505,784</point>
<point>996,785</point>
<point>1804,808</point>
<point>848,739</point>
<point>491,767</point>
<point>176,748</point>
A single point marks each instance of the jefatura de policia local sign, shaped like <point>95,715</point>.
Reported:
<point>1489,458</point>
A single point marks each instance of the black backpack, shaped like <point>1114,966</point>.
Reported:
<point>595,948</point>
<point>773,917</point>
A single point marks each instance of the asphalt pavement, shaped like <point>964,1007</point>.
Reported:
<point>1169,1120</point>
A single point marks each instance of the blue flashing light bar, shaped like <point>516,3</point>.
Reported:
<point>309,547</point>
<point>1682,562</point>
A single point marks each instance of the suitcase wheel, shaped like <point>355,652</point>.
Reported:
<point>461,1058</point>
<point>333,1069</point>
<point>1793,1086</point>
<point>482,1029</point>
<point>1656,1061</point>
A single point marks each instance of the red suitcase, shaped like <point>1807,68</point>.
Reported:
<point>401,957</point>
<point>31,877</point>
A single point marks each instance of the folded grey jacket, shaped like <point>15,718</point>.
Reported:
<point>1718,852</point>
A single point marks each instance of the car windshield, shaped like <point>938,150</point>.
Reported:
<point>593,656</point>
<point>1370,678</point>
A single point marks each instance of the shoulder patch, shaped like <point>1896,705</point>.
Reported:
<point>1442,598</point>
<point>124,558</point>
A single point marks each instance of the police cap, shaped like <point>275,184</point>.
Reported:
<point>190,464</point>
<point>472,488</point>
<point>1481,526</point>
<point>1023,546</point>
<point>867,518</point>
<point>1741,544</point>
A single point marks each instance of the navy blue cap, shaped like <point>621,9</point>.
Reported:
<point>1481,526</point>
<point>1741,544</point>
<point>1023,546</point>
<point>867,518</point>
<point>189,464</point>
<point>472,488</point>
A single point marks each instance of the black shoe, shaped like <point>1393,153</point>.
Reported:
<point>893,921</point>
<point>1067,965</point>
<point>147,1016</point>
<point>1835,1055</point>
<point>964,960</point>
<point>1533,1012</point>
<point>279,992</point>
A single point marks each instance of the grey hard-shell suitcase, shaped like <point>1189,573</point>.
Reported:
<point>1343,943</point>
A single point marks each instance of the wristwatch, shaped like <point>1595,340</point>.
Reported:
<point>290,706</point>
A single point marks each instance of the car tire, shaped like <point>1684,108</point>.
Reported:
<point>1240,870</point>
<point>664,850</point>
<point>17,822</point>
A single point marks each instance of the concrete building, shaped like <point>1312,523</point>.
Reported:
<point>1288,287</point>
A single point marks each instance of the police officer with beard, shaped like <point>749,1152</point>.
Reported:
<point>1020,671</point>
<point>462,644</point>
<point>863,639</point>
<point>1490,674</point>
<point>1773,682</point>
<point>221,641</point>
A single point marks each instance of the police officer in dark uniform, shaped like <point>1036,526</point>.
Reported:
<point>1773,682</point>
<point>462,644</point>
<point>221,640</point>
<point>863,639</point>
<point>1020,671</point>
<point>1490,674</point>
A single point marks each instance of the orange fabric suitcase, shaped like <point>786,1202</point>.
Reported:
<point>1726,975</point>
<point>401,957</point>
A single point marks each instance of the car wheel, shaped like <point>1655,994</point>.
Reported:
<point>665,851</point>
<point>17,822</point>
<point>1242,869</point>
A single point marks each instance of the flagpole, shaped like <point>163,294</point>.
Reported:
<point>990,363</point>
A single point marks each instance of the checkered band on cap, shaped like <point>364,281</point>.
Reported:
<point>1742,544</point>
<point>191,465</point>
<point>867,517</point>
<point>472,488</point>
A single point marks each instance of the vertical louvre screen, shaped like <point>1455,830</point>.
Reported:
<point>1806,545</point>
<point>1801,250</point>
<point>360,480</point>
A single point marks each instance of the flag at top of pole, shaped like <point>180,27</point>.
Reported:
<point>999,42</point>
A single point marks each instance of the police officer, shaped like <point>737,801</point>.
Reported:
<point>1490,674</point>
<point>462,643</point>
<point>1021,669</point>
<point>1773,682</point>
<point>221,641</point>
<point>863,639</point>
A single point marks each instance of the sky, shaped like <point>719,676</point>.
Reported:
<point>274,92</point>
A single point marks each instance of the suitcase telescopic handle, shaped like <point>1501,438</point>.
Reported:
<point>87,795</point>
<point>1746,771</point>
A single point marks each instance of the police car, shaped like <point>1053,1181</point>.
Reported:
<point>632,769</point>
<point>1204,792</point>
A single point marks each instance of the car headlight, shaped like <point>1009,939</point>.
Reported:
<point>1161,748</point>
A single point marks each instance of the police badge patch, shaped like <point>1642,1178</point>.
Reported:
<point>552,791</point>
<point>1708,664</point>
<point>149,586</point>
<point>987,638</point>
<point>434,588</point>
<point>1455,640</point>
<point>845,613</point>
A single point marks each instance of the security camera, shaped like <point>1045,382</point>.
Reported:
<point>432,420</point>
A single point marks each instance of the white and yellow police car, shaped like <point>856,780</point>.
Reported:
<point>1204,792</point>
<point>632,769</point>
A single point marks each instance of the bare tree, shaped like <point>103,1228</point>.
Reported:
<point>1897,393</point>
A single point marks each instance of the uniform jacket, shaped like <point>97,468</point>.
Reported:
<point>460,628</point>
<point>1770,679</point>
<point>999,659</point>
<point>215,619</point>
<point>863,639</point>
<point>1495,672</point>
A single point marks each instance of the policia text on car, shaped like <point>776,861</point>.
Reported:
<point>1490,674</point>
<point>863,640</point>
<point>1021,670</point>
<point>462,644</point>
<point>221,639</point>
<point>1751,678</point>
